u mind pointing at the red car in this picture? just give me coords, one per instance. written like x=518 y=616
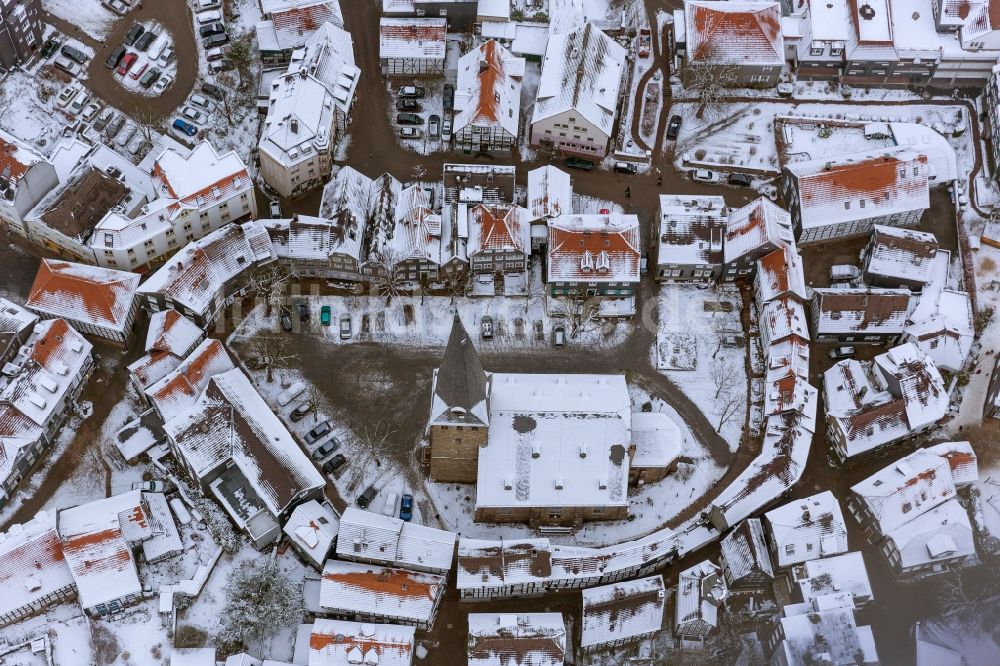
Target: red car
x=127 y=62
x=137 y=72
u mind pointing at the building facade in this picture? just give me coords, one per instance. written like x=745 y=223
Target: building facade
x=21 y=28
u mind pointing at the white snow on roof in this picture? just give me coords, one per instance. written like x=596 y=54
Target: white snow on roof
x=779 y=273
x=15 y=319
x=861 y=311
x=165 y=540
x=413 y=38
x=370 y=536
x=941 y=324
x=556 y=440
x=902 y=253
x=313 y=526
x=498 y=229
x=691 y=229
x=32 y=564
x=783 y=317
x=756 y=224
x=340 y=643
x=92 y=295
x=622 y=610
x=734 y=32
x=16 y=158
x=186 y=177
x=594 y=248
x=807 y=529
x=700 y=590
x=306 y=238
x=170 y=331
x=299 y=119
x=179 y=390
x=744 y=550
x=829 y=621
x=861 y=185
x=350 y=587
x=829 y=575
x=961 y=459
x=943 y=533
x=524 y=639
x=582 y=71
x=488 y=89
x=657 y=439
x=328 y=55
x=525 y=38
x=550 y=192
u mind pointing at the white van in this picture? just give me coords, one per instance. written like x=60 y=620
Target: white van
x=156 y=48
x=207 y=4
x=204 y=18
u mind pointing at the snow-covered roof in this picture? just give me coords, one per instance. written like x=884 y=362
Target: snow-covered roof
x=943 y=533
x=371 y=536
x=525 y=38
x=700 y=590
x=778 y=467
x=556 y=440
x=582 y=71
x=32 y=564
x=691 y=229
x=299 y=119
x=412 y=38
x=807 y=529
x=550 y=192
x=861 y=311
x=498 y=230
x=961 y=459
x=783 y=317
x=566 y=15
x=594 y=248
x=195 y=276
x=983 y=19
x=657 y=439
x=230 y=422
x=165 y=540
x=787 y=390
x=201 y=175
x=341 y=643
x=779 y=273
x=758 y=223
x=942 y=327
x=14 y=320
x=16 y=158
x=460 y=386
x=919 y=383
x=908 y=487
x=313 y=527
x=170 y=331
x=97 y=540
x=622 y=610
x=179 y=390
x=861 y=185
x=328 y=56
x=306 y=238
x=904 y=254
x=295 y=20
x=91 y=295
x=351 y=587
x=744 y=551
x=734 y=32
x=826 y=626
x=829 y=575
x=488 y=89
x=516 y=639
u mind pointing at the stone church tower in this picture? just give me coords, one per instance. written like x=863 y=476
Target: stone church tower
x=459 y=422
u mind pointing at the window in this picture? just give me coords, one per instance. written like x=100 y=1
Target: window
x=907 y=507
x=109 y=239
x=555 y=514
x=816 y=50
x=789 y=549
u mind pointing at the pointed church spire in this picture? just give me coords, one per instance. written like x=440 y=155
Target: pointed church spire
x=461 y=380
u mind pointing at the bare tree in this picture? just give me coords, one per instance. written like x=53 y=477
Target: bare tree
x=458 y=285
x=386 y=261
x=968 y=601
x=269 y=282
x=728 y=395
x=314 y=399
x=145 y=119
x=229 y=95
x=370 y=448
x=709 y=79
x=724 y=377
x=272 y=350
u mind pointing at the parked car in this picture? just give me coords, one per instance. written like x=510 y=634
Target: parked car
x=164 y=58
x=213 y=55
x=126 y=63
x=151 y=486
x=786 y=89
x=149 y=78
x=740 y=180
x=406 y=507
x=138 y=70
x=66 y=65
x=211 y=90
x=162 y=84
x=644 y=264
x=213 y=41
x=345 y=326
x=411 y=132
x=146 y=40
x=90 y=111
x=844 y=272
x=115 y=57
x=125 y=135
x=434 y=127
x=303 y=309
x=119 y=7
x=185 y=127
x=334 y=463
x=365 y=498
x=703 y=175
x=301 y=411
x=202 y=102
x=49 y=47
x=80 y=101
x=134 y=33
x=838 y=353
x=194 y=115
x=103 y=119
x=325 y=315
x=319 y=431
x=407 y=105
x=446 y=129
x=409 y=119
x=449 y=97
x=114 y=125
x=389 y=508
x=626 y=167
x=73 y=54
x=286 y=322
x=67 y=94
x=411 y=91
x=558 y=336
x=210 y=29
x=208 y=17
x=673 y=127
x=326 y=448
x=579 y=163
x=486 y=327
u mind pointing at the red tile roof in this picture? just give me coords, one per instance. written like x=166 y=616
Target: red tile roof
x=89 y=294
x=736 y=32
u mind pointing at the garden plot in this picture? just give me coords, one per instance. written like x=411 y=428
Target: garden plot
x=677 y=351
x=718 y=380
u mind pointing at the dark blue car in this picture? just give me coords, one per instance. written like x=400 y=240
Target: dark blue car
x=406 y=508
x=185 y=127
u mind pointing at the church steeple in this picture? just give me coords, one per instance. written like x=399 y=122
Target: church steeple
x=462 y=384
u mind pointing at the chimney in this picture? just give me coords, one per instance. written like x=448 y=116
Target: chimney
x=293 y=124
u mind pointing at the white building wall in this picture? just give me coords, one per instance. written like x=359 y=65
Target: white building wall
x=571 y=132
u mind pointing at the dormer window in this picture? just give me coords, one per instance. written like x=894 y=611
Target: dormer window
x=587 y=262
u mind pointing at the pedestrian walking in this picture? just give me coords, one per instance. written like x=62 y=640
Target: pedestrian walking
x=659 y=181
x=628 y=192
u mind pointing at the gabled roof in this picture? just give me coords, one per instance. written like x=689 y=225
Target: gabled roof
x=16 y=158
x=780 y=273
x=550 y=192
x=201 y=176
x=391 y=541
x=170 y=331
x=701 y=589
x=982 y=20
x=15 y=321
x=419 y=38
x=349 y=587
x=744 y=551
x=622 y=610
x=594 y=248
x=961 y=459
x=499 y=229
x=582 y=71
x=781 y=318
x=691 y=229
x=942 y=327
x=734 y=32
x=860 y=186
x=340 y=643
x=831 y=575
x=807 y=529
x=87 y=294
x=862 y=311
x=32 y=564
x=516 y=639
x=902 y=254
x=328 y=55
x=306 y=238
x=295 y=20
x=313 y=528
x=488 y=89
x=483 y=563
x=906 y=488
x=943 y=533
x=758 y=223
x=180 y=389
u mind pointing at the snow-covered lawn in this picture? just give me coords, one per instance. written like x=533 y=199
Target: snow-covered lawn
x=719 y=376
x=29 y=111
x=89 y=15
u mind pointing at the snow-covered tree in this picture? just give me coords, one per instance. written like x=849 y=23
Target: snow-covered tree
x=262 y=601
x=222 y=531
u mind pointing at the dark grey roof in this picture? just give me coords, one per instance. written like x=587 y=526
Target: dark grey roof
x=461 y=380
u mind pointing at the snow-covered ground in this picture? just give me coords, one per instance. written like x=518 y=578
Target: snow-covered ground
x=720 y=371
x=89 y=15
